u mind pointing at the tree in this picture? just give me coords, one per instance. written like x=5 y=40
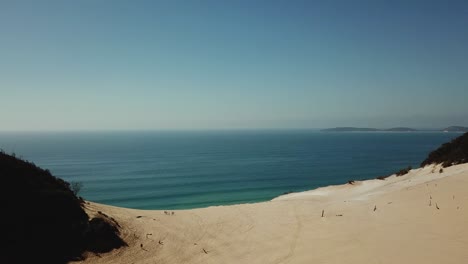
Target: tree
x=76 y=187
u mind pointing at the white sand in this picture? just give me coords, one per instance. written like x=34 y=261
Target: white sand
x=406 y=226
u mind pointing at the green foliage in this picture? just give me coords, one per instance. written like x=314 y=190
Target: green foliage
x=76 y=187
x=382 y=177
x=42 y=216
x=403 y=171
x=101 y=227
x=452 y=153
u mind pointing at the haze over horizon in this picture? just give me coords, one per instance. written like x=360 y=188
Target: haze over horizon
x=126 y=65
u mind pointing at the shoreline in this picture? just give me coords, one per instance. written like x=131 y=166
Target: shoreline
x=183 y=179
x=279 y=197
x=419 y=218
x=366 y=185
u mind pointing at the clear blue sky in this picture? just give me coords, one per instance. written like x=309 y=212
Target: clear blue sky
x=92 y=65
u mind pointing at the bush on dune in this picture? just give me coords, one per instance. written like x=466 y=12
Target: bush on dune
x=403 y=171
x=44 y=220
x=452 y=153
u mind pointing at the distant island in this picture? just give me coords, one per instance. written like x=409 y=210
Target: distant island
x=394 y=129
x=360 y=129
x=400 y=129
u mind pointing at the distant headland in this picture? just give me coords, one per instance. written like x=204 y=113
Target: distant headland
x=455 y=129
x=394 y=129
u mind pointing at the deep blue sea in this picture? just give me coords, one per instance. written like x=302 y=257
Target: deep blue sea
x=178 y=170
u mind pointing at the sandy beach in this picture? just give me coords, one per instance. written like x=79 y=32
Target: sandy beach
x=420 y=217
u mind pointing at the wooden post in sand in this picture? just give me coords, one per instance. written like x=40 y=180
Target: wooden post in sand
x=323 y=211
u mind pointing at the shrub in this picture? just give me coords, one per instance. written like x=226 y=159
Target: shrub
x=452 y=153
x=382 y=177
x=403 y=171
x=103 y=234
x=76 y=187
x=45 y=220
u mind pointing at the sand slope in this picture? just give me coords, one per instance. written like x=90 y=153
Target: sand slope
x=405 y=227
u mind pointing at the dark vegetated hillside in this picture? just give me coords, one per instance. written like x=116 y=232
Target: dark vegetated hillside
x=451 y=153
x=43 y=220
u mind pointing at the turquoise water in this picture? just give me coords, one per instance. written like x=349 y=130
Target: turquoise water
x=176 y=170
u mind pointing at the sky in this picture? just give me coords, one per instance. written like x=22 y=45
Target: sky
x=195 y=64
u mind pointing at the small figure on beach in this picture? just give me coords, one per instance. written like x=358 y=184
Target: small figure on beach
x=375 y=207
x=141 y=246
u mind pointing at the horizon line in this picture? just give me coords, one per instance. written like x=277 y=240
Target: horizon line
x=214 y=129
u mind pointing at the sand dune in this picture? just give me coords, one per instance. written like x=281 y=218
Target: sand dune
x=421 y=217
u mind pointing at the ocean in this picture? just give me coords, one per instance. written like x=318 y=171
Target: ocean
x=181 y=169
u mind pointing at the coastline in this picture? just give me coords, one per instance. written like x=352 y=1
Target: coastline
x=419 y=217
x=218 y=169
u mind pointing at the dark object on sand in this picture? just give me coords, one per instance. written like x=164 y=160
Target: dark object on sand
x=103 y=234
x=403 y=171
